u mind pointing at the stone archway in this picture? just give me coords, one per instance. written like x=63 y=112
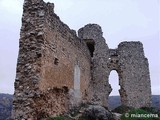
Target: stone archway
x=114 y=99
x=113 y=79
x=115 y=65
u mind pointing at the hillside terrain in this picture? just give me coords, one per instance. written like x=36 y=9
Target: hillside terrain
x=114 y=101
x=5 y=106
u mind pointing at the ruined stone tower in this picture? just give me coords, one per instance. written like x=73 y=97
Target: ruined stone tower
x=57 y=70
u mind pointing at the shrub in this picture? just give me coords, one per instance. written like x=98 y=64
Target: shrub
x=58 y=118
x=122 y=109
x=151 y=110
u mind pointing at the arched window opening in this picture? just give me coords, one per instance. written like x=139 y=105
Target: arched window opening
x=114 y=97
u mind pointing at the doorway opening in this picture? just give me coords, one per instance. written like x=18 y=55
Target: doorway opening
x=114 y=97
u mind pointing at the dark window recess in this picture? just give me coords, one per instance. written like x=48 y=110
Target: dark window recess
x=90 y=45
x=38 y=54
x=56 y=61
x=115 y=55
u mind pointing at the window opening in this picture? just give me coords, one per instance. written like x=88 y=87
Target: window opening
x=90 y=45
x=56 y=61
x=114 y=97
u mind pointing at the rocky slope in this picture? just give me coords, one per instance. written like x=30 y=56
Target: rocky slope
x=114 y=101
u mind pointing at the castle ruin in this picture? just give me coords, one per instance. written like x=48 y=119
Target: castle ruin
x=57 y=70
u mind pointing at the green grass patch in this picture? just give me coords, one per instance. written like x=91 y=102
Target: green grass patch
x=66 y=118
x=59 y=118
x=122 y=109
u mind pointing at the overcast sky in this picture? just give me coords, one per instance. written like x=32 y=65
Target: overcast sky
x=121 y=20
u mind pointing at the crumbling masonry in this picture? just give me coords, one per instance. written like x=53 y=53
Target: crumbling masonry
x=57 y=70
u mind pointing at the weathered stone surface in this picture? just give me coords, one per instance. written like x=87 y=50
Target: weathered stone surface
x=96 y=112
x=48 y=54
x=117 y=116
x=129 y=62
x=99 y=86
x=57 y=70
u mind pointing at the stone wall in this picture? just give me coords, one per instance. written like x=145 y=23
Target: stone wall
x=129 y=62
x=100 y=87
x=134 y=72
x=49 y=53
x=57 y=70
